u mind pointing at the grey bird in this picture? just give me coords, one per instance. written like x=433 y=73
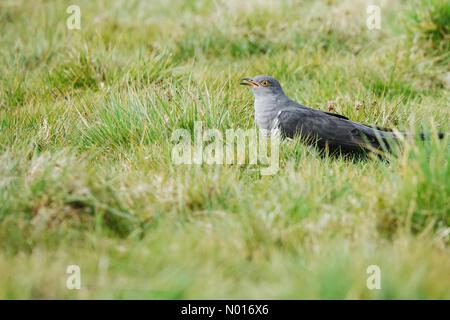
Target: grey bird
x=328 y=131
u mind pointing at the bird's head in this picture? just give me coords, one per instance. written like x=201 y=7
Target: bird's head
x=263 y=85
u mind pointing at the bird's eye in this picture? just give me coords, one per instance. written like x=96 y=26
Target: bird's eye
x=265 y=83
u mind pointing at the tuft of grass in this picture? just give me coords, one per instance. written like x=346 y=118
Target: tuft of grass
x=81 y=71
x=424 y=172
x=430 y=24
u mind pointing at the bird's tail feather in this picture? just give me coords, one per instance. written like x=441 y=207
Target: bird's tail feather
x=388 y=140
x=423 y=136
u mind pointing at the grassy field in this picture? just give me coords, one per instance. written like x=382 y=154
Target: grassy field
x=86 y=175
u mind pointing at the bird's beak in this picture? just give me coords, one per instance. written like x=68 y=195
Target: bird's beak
x=249 y=82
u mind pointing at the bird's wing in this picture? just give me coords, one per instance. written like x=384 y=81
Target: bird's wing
x=324 y=129
x=337 y=115
x=294 y=104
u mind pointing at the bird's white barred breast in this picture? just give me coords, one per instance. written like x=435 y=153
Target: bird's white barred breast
x=275 y=126
x=265 y=113
x=272 y=130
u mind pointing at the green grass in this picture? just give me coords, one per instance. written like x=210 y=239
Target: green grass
x=86 y=176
